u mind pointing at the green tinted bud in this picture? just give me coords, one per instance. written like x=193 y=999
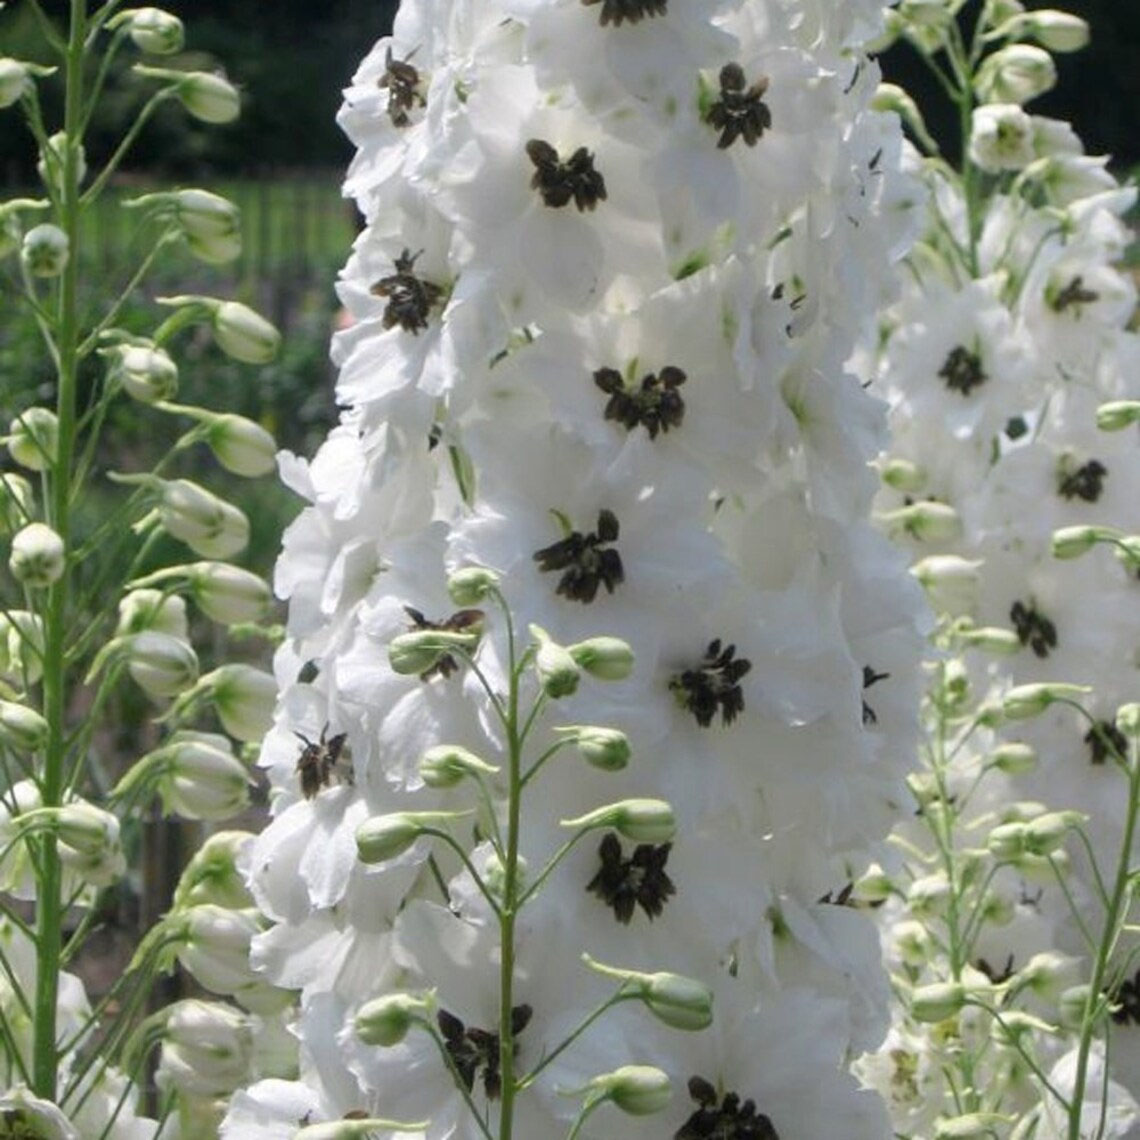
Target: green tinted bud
x=160 y=664
x=420 y=650
x=1117 y=415
x=385 y=837
x=902 y=475
x=45 y=250
x=16 y=78
x=228 y=594
x=926 y=521
x=244 y=334
x=33 y=438
x=1024 y=701
x=604 y=748
x=644 y=821
x=471 y=585
x=22 y=728
x=242 y=446
x=446 y=765
x=637 y=1089
x=213 y=875
x=37 y=558
x=1128 y=719
x=151 y=29
x=606 y=658
x=147 y=374
x=385 y=1021
x=1014 y=757
x=1046 y=833
x=937 y=1001
x=557 y=670
x=1073 y=541
x=16 y=502
x=1007 y=841
x=1015 y=74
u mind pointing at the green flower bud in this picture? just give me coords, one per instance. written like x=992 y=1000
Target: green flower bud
x=1007 y=841
x=1117 y=415
x=21 y=647
x=1057 y=31
x=1015 y=74
x=420 y=650
x=152 y=30
x=147 y=374
x=950 y=582
x=37 y=558
x=141 y=610
x=1024 y=701
x=160 y=664
x=1073 y=541
x=1047 y=832
x=51 y=163
x=385 y=1021
x=242 y=446
x=1048 y=973
x=16 y=78
x=1128 y=719
x=446 y=765
x=902 y=475
x=643 y=821
x=385 y=837
x=197 y=776
x=45 y=250
x=243 y=697
x=212 y=875
x=1072 y=1005
x=926 y=521
x=990 y=639
x=637 y=1089
x=889 y=97
x=937 y=1001
x=16 y=502
x=228 y=594
x=556 y=668
x=33 y=438
x=85 y=828
x=1014 y=757
x=22 y=728
x=873 y=886
x=604 y=748
x=245 y=335
x=208 y=525
x=606 y=658
x=471 y=585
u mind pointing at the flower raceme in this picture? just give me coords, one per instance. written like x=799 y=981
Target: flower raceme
x=600 y=492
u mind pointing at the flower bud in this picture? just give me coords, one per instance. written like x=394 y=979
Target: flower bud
x=207 y=1048
x=643 y=821
x=385 y=1021
x=420 y=650
x=21 y=647
x=604 y=748
x=213 y=945
x=637 y=1089
x=208 y=525
x=33 y=438
x=446 y=765
x=22 y=728
x=902 y=475
x=1057 y=31
x=606 y=658
x=213 y=876
x=1073 y=541
x=949 y=581
x=36 y=559
x=242 y=446
x=1015 y=74
x=142 y=610
x=199 y=777
x=1128 y=719
x=50 y=165
x=152 y=30
x=1014 y=757
x=86 y=828
x=212 y=225
x=1024 y=701
x=16 y=79
x=16 y=501
x=937 y=1001
x=929 y=894
x=1007 y=841
x=926 y=521
x=470 y=585
x=386 y=836
x=874 y=886
x=208 y=97
x=45 y=250
x=243 y=697
x=889 y=97
x=990 y=639
x=557 y=670
x=1048 y=973
x=679 y=1002
x=26 y=1116
x=160 y=664
x=147 y=374
x=228 y=594
x=1047 y=832
x=1072 y=1005
x=245 y=335
x=1118 y=415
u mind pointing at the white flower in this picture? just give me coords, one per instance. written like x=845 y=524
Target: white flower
x=37 y=556
x=1002 y=137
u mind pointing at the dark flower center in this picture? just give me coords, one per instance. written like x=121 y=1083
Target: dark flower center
x=963 y=370
x=586 y=560
x=460 y=622
x=655 y=403
x=724 y=1118
x=1033 y=628
x=870 y=677
x=1074 y=293
x=562 y=182
x=1127 y=999
x=640 y=880
x=1105 y=739
x=998 y=977
x=410 y=298
x=616 y=12
x=319 y=760
x=476 y=1052
x=1086 y=482
x=715 y=683
x=402 y=81
x=842 y=897
x=740 y=112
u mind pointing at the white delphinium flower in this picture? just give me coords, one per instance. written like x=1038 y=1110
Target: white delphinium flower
x=615 y=258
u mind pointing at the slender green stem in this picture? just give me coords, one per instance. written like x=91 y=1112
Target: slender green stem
x=95 y=189
x=620 y=996
x=49 y=912
x=587 y=1109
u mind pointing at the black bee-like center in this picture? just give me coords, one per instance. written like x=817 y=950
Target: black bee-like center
x=639 y=881
x=1105 y=739
x=962 y=370
x=587 y=560
x=410 y=298
x=740 y=112
x=724 y=1117
x=616 y=12
x=1073 y=294
x=561 y=182
x=319 y=760
x=1085 y=482
x=402 y=82
x=1033 y=628
x=654 y=404
x=712 y=685
x=870 y=677
x=477 y=1052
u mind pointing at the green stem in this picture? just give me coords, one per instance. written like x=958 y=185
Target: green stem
x=49 y=914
